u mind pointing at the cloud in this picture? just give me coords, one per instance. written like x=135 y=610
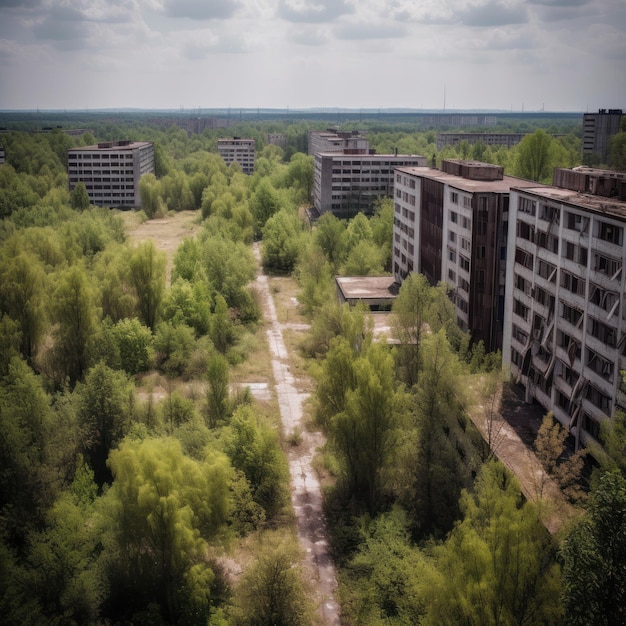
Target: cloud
x=312 y=10
x=370 y=31
x=559 y=3
x=492 y=13
x=310 y=36
x=200 y=9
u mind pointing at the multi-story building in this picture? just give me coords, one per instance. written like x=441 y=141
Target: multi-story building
x=565 y=307
x=489 y=139
x=451 y=225
x=111 y=171
x=347 y=184
x=277 y=139
x=238 y=150
x=598 y=128
x=333 y=140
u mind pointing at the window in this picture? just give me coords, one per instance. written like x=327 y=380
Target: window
x=464 y=263
x=454 y=197
x=606 y=265
x=454 y=218
x=604 y=333
x=520 y=309
x=451 y=236
x=452 y=255
x=570 y=314
x=527 y=206
x=610 y=232
x=524 y=258
x=525 y=231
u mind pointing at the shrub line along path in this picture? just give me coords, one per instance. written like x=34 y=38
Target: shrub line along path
x=306 y=493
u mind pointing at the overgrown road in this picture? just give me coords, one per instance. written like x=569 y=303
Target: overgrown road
x=306 y=493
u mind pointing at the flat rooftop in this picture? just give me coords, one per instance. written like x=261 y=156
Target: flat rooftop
x=367 y=287
x=115 y=146
x=597 y=204
x=466 y=184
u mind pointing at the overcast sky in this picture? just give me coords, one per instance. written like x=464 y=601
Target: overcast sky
x=563 y=55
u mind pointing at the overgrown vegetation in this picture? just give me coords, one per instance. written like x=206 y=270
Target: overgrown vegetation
x=120 y=503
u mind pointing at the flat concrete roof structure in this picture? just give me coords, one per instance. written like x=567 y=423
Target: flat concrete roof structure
x=377 y=292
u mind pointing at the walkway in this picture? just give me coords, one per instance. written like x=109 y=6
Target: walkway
x=306 y=493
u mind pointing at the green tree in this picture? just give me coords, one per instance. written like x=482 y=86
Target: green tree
x=147 y=275
x=617 y=151
x=217 y=396
x=105 y=403
x=364 y=259
x=156 y=521
x=497 y=566
x=22 y=298
x=534 y=156
x=264 y=202
x=365 y=432
x=300 y=175
x=75 y=312
x=594 y=553
x=150 y=193
x=282 y=237
x=134 y=343
x=442 y=456
x=254 y=449
x=330 y=236
x=221 y=326
x=271 y=591
x=79 y=198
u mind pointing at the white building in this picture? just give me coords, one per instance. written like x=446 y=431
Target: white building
x=238 y=150
x=111 y=171
x=333 y=140
x=565 y=313
x=347 y=184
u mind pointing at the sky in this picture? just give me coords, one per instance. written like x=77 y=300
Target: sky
x=555 y=55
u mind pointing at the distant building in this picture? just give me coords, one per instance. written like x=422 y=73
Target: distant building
x=436 y=120
x=277 y=139
x=451 y=225
x=238 y=150
x=111 y=171
x=489 y=139
x=333 y=140
x=565 y=310
x=347 y=184
x=598 y=128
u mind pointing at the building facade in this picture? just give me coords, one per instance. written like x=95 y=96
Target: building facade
x=277 y=139
x=565 y=313
x=451 y=225
x=489 y=139
x=238 y=150
x=598 y=128
x=333 y=140
x=111 y=171
x=347 y=184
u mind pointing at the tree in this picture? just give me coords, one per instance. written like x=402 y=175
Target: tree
x=330 y=236
x=150 y=193
x=300 y=175
x=134 y=342
x=417 y=305
x=147 y=275
x=534 y=156
x=79 y=198
x=22 y=298
x=364 y=259
x=282 y=236
x=594 y=553
x=271 y=591
x=364 y=433
x=617 y=151
x=157 y=520
x=254 y=449
x=221 y=326
x=550 y=449
x=105 y=407
x=441 y=465
x=217 y=391
x=76 y=315
x=497 y=566
x=264 y=202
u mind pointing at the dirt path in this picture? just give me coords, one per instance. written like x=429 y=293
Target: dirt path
x=306 y=493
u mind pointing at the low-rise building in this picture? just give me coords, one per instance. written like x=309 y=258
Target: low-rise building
x=238 y=150
x=111 y=171
x=565 y=309
x=347 y=184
